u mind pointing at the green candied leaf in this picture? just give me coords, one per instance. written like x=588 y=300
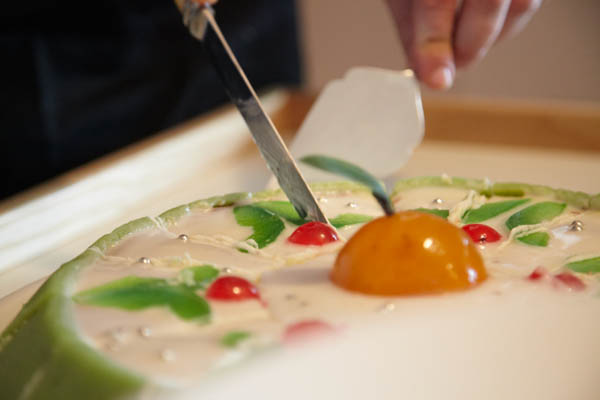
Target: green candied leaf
x=354 y=172
x=490 y=210
x=434 y=211
x=535 y=239
x=198 y=277
x=188 y=305
x=266 y=225
x=136 y=293
x=130 y=293
x=283 y=209
x=535 y=214
x=589 y=265
x=349 y=219
x=233 y=338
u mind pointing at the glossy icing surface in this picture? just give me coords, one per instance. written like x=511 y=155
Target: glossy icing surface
x=293 y=282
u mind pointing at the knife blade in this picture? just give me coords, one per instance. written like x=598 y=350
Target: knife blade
x=200 y=20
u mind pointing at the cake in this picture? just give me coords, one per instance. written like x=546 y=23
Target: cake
x=163 y=304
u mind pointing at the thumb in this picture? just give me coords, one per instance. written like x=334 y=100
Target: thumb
x=431 y=54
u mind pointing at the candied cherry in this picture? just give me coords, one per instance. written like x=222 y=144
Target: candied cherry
x=408 y=253
x=232 y=288
x=538 y=274
x=569 y=280
x=313 y=233
x=563 y=279
x=481 y=233
x=306 y=329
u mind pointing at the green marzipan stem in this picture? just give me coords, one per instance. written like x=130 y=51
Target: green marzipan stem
x=354 y=172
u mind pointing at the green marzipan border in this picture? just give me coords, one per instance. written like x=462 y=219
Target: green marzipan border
x=42 y=346
x=506 y=189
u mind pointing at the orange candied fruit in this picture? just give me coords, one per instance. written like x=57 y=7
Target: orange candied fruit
x=408 y=253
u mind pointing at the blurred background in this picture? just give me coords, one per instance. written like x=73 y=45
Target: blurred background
x=557 y=56
x=75 y=90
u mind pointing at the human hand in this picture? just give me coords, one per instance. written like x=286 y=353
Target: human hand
x=179 y=3
x=440 y=35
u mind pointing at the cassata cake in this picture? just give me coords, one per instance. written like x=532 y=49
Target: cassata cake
x=164 y=304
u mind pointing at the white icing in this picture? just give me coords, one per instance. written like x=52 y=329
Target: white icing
x=293 y=280
x=294 y=285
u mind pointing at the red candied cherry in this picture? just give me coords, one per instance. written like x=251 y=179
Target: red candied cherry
x=538 y=274
x=313 y=233
x=232 y=288
x=306 y=329
x=569 y=280
x=481 y=233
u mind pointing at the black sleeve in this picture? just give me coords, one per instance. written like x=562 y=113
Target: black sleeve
x=79 y=82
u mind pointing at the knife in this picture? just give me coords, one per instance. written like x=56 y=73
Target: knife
x=200 y=20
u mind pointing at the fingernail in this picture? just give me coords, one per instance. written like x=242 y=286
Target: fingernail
x=442 y=78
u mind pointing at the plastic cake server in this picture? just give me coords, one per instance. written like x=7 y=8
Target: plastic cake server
x=200 y=20
x=372 y=117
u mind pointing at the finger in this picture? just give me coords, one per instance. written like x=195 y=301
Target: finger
x=519 y=14
x=431 y=53
x=478 y=25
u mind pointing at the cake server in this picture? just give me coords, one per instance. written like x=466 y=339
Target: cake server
x=372 y=116
x=200 y=20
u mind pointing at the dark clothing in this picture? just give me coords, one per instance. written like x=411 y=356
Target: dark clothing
x=82 y=79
